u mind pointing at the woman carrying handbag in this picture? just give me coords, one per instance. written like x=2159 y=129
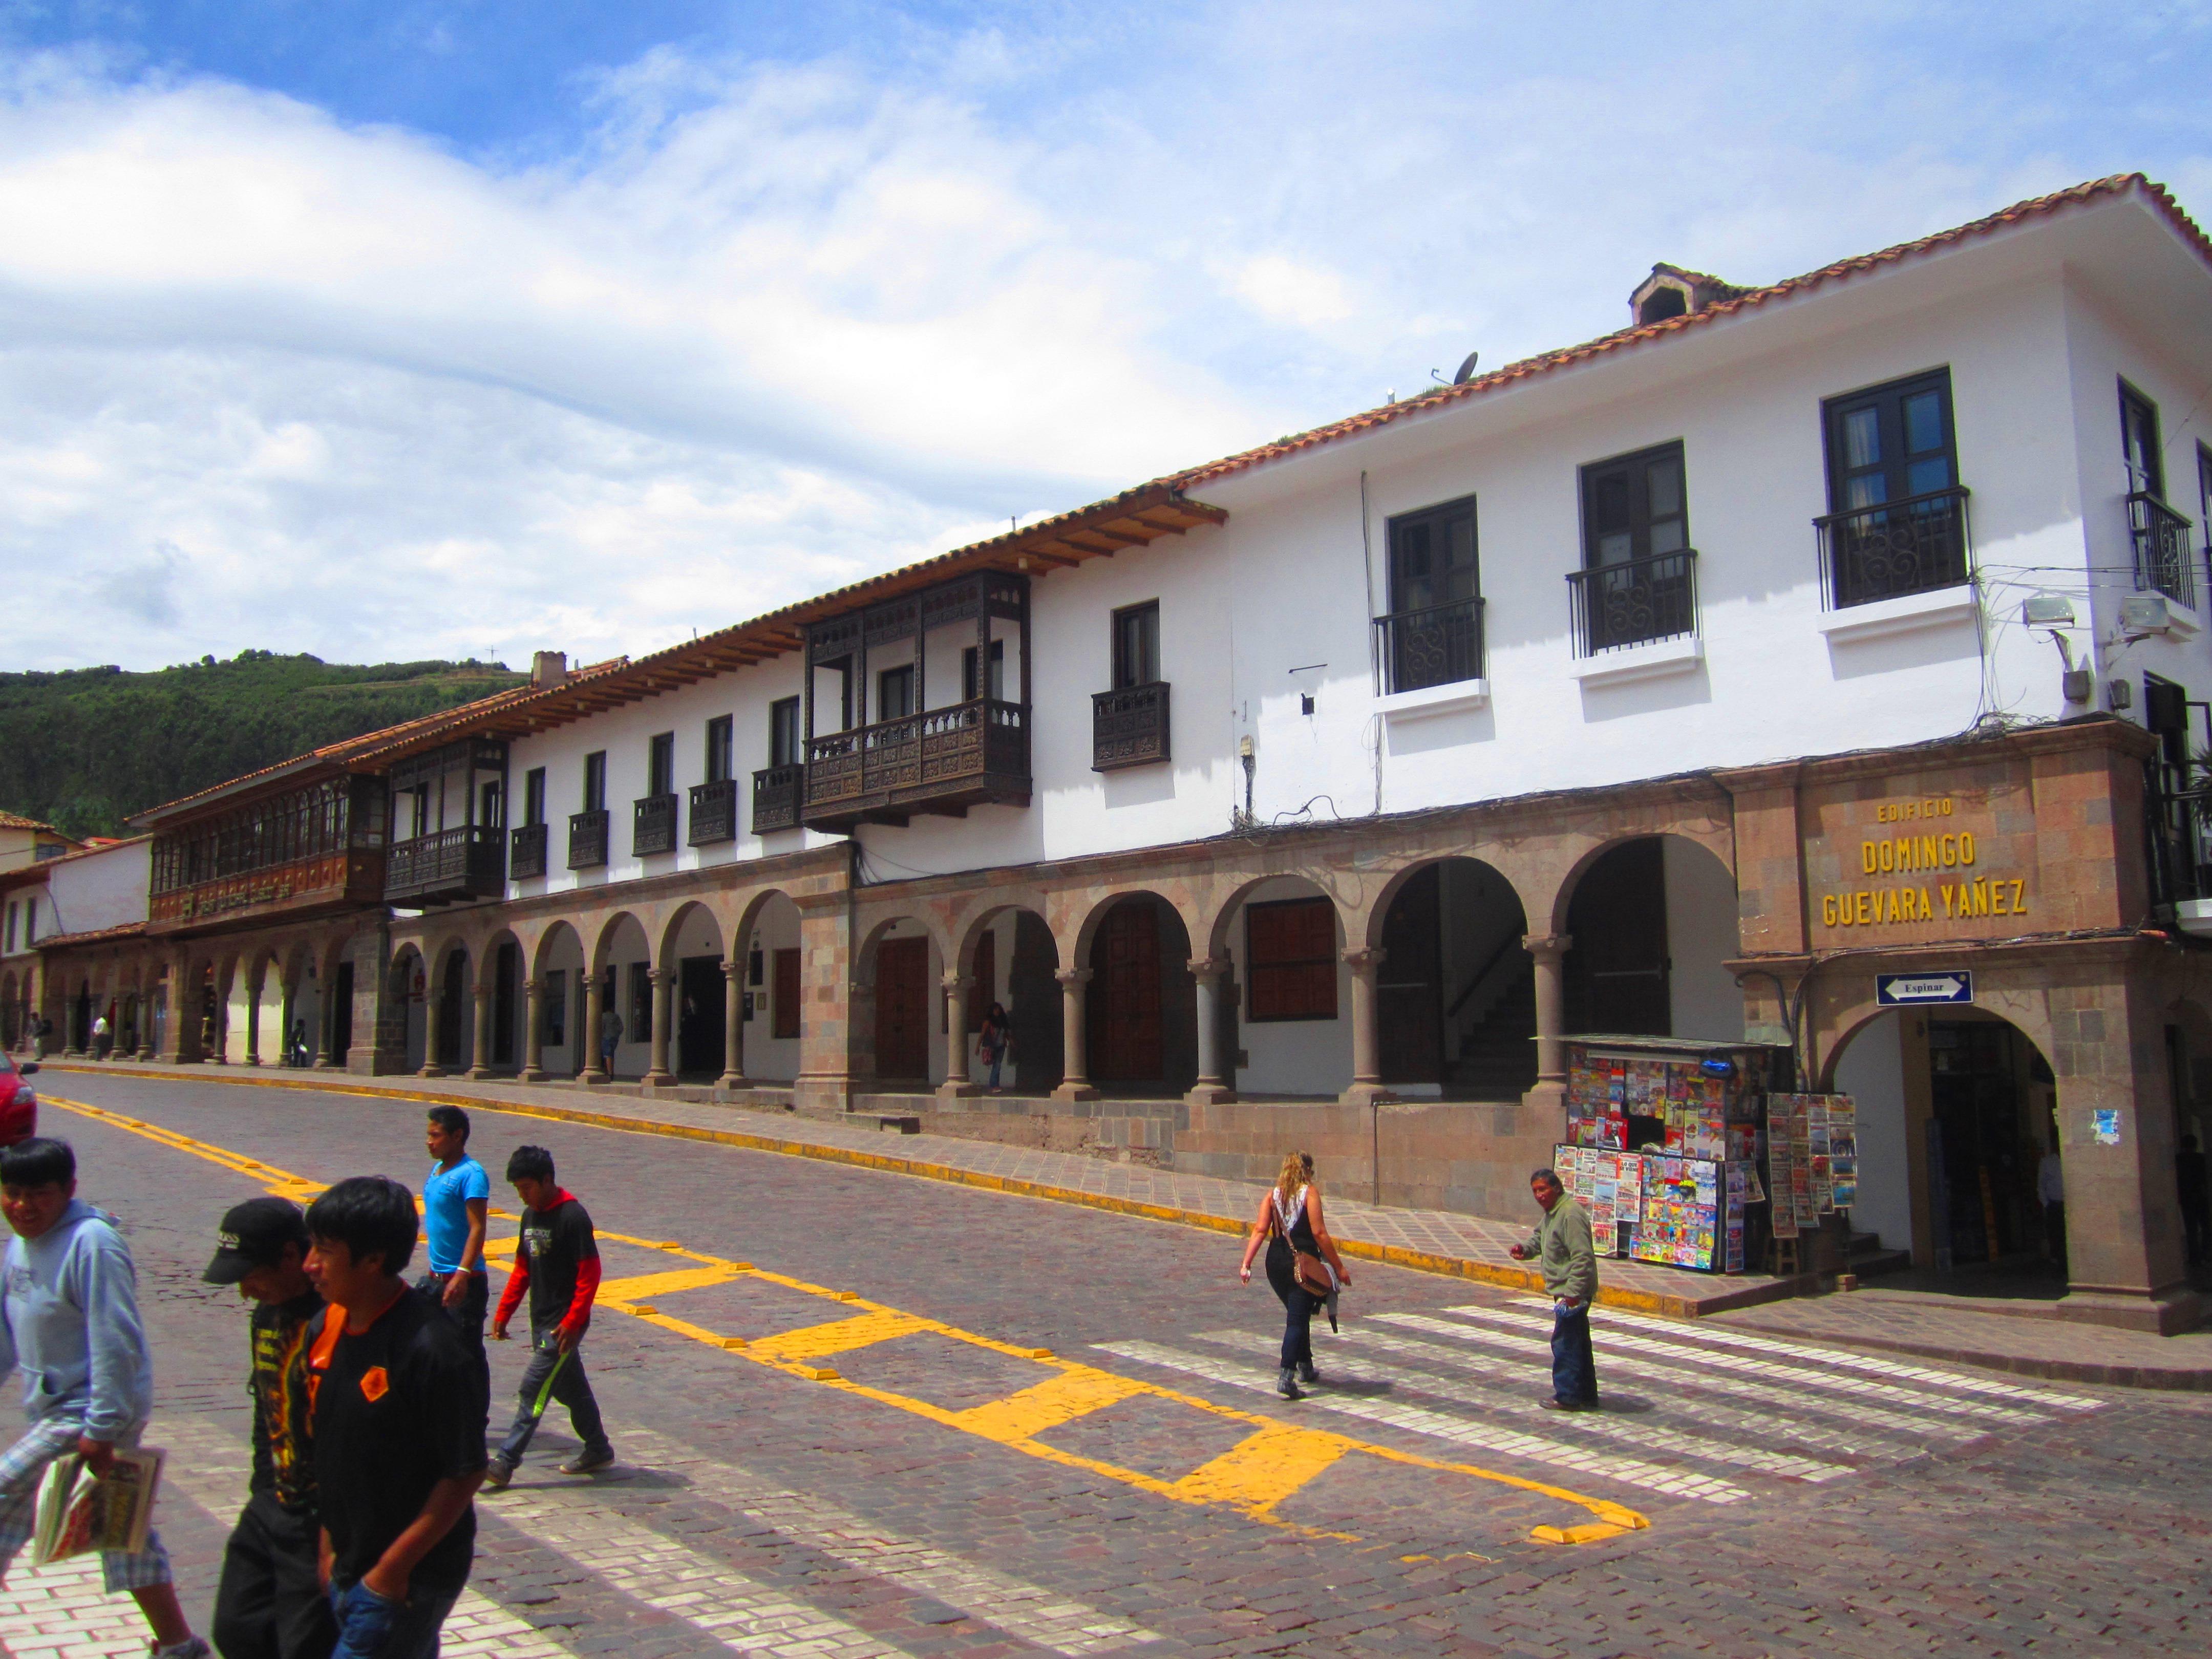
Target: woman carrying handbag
x=1302 y=1265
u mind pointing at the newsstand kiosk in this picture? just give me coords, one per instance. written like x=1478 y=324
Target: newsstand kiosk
x=1666 y=1138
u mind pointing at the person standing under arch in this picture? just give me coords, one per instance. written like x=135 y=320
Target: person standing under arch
x=1300 y=1253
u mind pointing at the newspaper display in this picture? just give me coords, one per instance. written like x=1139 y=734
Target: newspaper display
x=1806 y=1137
x=77 y=1513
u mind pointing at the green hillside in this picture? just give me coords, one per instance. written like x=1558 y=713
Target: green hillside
x=85 y=748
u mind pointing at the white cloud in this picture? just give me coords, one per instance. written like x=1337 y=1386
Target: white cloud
x=277 y=381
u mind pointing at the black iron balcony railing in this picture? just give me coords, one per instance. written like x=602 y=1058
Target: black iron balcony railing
x=2165 y=562
x=776 y=790
x=1129 y=727
x=941 y=760
x=1912 y=546
x=469 y=862
x=652 y=826
x=1435 y=645
x=525 y=857
x=588 y=839
x=713 y=812
x=1634 y=602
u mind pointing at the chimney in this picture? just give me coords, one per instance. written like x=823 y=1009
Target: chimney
x=1671 y=291
x=548 y=668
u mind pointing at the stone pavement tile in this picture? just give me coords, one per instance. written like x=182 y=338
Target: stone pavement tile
x=2039 y=1347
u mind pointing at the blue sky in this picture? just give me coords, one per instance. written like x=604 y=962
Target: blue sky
x=602 y=323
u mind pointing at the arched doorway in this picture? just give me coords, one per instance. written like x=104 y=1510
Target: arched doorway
x=699 y=1025
x=1955 y=1114
x=450 y=1024
x=625 y=970
x=1455 y=996
x=1286 y=1006
x=562 y=1039
x=773 y=1007
x=1140 y=1016
x=1010 y=961
x=905 y=966
x=1653 y=922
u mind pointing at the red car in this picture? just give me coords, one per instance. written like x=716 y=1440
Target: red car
x=19 y=1107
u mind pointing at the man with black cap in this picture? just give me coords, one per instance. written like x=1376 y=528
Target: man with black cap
x=270 y=1604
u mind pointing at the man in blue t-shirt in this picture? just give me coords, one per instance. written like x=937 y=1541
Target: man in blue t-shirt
x=456 y=1198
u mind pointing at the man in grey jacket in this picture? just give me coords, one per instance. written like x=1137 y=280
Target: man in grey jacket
x=69 y=1316
x=1563 y=1246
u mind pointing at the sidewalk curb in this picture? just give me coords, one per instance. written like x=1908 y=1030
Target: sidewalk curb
x=1395 y=1255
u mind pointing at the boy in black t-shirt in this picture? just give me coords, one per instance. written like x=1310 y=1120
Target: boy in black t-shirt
x=269 y=1604
x=397 y=1407
x=558 y=1260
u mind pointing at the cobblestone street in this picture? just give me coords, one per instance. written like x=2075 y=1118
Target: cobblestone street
x=859 y=1413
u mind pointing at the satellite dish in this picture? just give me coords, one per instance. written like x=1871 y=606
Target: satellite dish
x=1466 y=372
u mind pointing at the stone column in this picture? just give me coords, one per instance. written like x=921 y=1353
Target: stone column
x=180 y=1034
x=733 y=1025
x=254 y=986
x=664 y=1010
x=147 y=984
x=217 y=1051
x=480 y=1042
x=327 y=1057
x=1075 y=1072
x=1367 y=1086
x=833 y=1004
x=958 y=1084
x=1214 y=1086
x=1550 y=952
x=533 y=1031
x=595 y=1006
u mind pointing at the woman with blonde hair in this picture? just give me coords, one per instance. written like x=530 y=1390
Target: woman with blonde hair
x=1302 y=1265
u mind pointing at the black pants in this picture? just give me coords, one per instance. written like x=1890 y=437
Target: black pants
x=268 y=1605
x=469 y=1317
x=570 y=1386
x=2196 y=1227
x=1299 y=1305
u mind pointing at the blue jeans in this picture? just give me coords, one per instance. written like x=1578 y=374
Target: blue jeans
x=1574 y=1367
x=370 y=1628
x=998 y=1059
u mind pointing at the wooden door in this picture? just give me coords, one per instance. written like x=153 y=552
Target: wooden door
x=902 y=1008
x=1617 y=972
x=785 y=1013
x=1126 y=1041
x=1409 y=989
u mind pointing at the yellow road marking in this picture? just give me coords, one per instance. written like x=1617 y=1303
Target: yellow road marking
x=1252 y=1477
x=1056 y=1401
x=838 y=1336
x=1261 y=1470
x=651 y=1285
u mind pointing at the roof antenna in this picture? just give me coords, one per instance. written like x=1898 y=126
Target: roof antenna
x=1466 y=370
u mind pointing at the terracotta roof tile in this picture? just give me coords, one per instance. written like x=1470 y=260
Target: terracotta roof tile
x=97 y=936
x=17 y=820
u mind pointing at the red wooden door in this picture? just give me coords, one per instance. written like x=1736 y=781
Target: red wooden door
x=786 y=1015
x=1129 y=1047
x=902 y=1008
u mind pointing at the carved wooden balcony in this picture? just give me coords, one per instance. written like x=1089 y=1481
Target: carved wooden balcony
x=446 y=867
x=588 y=839
x=652 y=825
x=776 y=790
x=1129 y=727
x=942 y=760
x=713 y=812
x=526 y=856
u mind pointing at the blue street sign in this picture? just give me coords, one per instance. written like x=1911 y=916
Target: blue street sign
x=1912 y=990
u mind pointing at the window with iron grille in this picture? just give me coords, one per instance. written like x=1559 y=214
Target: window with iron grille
x=1289 y=947
x=1433 y=635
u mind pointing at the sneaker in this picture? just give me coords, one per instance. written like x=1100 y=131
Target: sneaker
x=193 y=1647
x=497 y=1474
x=1307 y=1373
x=589 y=1459
x=1286 y=1384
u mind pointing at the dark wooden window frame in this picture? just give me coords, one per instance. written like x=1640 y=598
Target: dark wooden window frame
x=786 y=740
x=595 y=781
x=1269 y=981
x=661 y=764
x=1127 y=674
x=2133 y=399
x=533 y=795
x=722 y=749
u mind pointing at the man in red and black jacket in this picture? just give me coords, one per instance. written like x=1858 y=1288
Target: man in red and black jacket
x=558 y=1260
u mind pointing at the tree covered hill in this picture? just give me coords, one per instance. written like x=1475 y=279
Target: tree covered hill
x=84 y=748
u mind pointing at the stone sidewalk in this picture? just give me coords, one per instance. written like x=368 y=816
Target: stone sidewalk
x=1431 y=1241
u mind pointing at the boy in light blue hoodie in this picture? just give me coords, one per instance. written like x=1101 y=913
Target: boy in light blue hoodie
x=69 y=1316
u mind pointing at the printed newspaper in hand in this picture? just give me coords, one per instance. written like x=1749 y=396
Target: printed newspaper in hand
x=77 y=1513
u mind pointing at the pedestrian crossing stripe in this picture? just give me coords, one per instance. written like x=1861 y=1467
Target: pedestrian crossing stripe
x=1049 y=1404
x=1251 y=1496
x=838 y=1336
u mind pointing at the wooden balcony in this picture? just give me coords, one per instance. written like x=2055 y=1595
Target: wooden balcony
x=776 y=798
x=1129 y=727
x=588 y=839
x=446 y=867
x=303 y=887
x=652 y=825
x=713 y=812
x=525 y=854
x=942 y=760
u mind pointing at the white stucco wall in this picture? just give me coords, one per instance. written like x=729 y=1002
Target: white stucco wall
x=103 y=888
x=1872 y=1072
